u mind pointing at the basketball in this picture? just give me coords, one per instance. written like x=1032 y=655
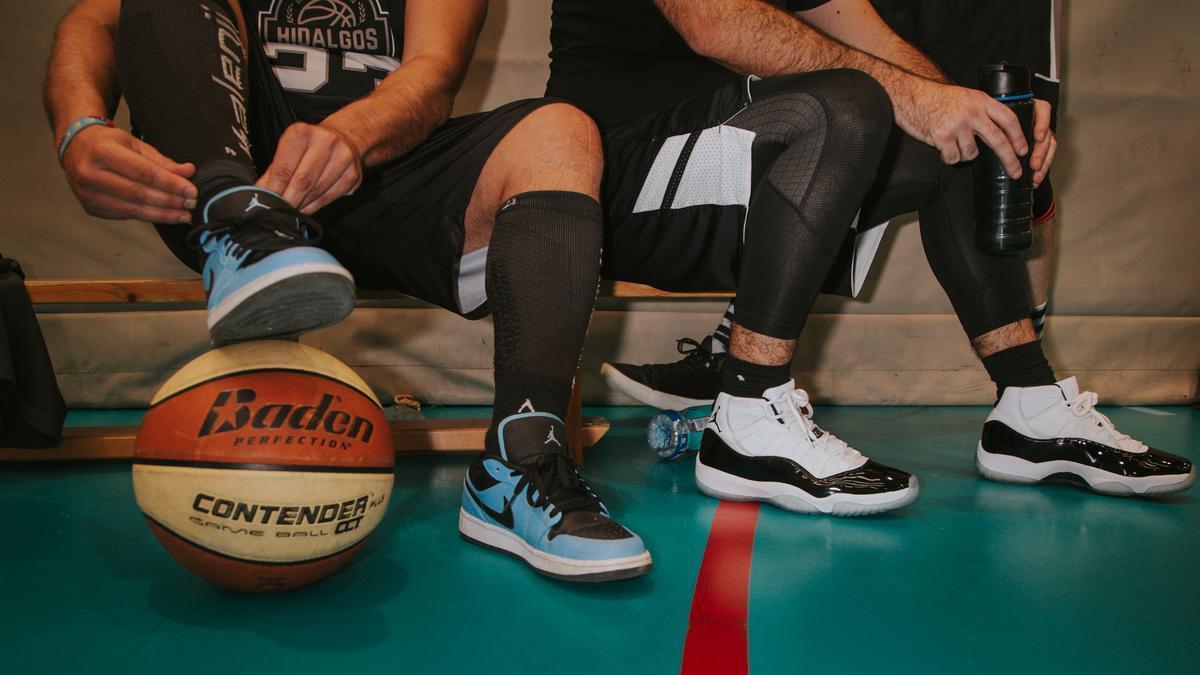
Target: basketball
x=263 y=466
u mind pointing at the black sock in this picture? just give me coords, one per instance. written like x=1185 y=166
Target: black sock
x=522 y=392
x=750 y=380
x=723 y=332
x=1021 y=366
x=543 y=270
x=1037 y=314
x=215 y=177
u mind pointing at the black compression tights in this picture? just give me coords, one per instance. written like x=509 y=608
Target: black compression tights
x=818 y=141
x=194 y=96
x=987 y=291
x=182 y=70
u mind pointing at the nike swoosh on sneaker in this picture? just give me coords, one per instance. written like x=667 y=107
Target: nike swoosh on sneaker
x=504 y=517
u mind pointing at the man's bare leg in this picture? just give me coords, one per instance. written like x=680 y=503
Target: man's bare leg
x=1039 y=260
x=761 y=349
x=525 y=161
x=1005 y=337
x=1039 y=265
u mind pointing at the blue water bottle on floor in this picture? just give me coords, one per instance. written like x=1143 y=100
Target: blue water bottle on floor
x=672 y=434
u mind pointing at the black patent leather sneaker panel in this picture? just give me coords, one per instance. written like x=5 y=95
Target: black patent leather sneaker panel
x=1000 y=439
x=870 y=478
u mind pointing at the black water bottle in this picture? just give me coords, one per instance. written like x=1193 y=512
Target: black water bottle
x=1004 y=206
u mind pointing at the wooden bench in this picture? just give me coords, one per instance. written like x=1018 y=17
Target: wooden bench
x=112 y=443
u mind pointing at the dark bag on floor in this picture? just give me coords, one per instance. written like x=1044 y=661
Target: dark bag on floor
x=32 y=409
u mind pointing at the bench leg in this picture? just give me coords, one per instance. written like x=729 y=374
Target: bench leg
x=575 y=418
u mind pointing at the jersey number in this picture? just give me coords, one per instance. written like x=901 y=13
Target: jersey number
x=313 y=71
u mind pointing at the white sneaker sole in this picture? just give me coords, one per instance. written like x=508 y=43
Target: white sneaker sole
x=1009 y=469
x=722 y=485
x=500 y=539
x=647 y=396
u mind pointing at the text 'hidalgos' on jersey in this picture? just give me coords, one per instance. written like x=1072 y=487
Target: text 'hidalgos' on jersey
x=339 y=49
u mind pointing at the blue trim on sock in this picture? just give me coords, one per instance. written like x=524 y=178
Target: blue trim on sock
x=518 y=416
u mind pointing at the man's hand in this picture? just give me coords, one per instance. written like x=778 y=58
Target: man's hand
x=115 y=175
x=949 y=118
x=1045 y=145
x=313 y=165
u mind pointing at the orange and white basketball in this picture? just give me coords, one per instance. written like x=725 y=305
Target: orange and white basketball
x=263 y=466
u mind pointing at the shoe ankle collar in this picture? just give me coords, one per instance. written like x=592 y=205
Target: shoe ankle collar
x=781 y=391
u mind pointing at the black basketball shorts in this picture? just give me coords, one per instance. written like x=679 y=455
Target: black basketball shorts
x=676 y=190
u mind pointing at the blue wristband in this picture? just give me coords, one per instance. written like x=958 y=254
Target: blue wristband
x=77 y=126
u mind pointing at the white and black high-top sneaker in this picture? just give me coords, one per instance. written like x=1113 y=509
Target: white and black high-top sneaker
x=769 y=449
x=1055 y=434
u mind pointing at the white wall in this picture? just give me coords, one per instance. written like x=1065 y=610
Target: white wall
x=1126 y=183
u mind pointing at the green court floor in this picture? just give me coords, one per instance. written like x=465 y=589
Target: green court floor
x=976 y=577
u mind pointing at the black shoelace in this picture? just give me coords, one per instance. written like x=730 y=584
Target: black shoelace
x=695 y=354
x=260 y=234
x=556 y=482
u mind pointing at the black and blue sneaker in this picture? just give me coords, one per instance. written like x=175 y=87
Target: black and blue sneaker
x=531 y=502
x=262 y=271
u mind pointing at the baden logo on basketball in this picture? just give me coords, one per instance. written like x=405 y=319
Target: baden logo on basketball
x=234 y=410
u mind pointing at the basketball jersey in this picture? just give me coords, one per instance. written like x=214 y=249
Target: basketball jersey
x=620 y=59
x=327 y=53
x=962 y=35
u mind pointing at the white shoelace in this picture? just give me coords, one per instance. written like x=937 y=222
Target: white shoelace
x=1084 y=406
x=798 y=410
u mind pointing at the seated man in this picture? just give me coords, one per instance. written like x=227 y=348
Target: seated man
x=260 y=118
x=962 y=36
x=712 y=181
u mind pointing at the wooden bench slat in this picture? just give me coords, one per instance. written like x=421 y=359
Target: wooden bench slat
x=440 y=435
x=134 y=291
x=116 y=291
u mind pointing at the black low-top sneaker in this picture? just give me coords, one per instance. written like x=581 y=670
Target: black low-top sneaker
x=1054 y=434
x=769 y=449
x=693 y=380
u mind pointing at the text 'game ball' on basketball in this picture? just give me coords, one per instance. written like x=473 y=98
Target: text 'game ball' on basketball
x=263 y=466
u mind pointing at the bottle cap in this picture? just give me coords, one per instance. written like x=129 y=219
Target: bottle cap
x=1004 y=79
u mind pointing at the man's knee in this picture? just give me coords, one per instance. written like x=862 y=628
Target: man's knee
x=856 y=105
x=563 y=134
x=556 y=147
x=857 y=110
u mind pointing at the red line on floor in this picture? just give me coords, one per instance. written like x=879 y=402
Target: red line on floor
x=716 y=639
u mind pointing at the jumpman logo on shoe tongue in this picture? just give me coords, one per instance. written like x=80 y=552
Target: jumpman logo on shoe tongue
x=254 y=203
x=550 y=437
